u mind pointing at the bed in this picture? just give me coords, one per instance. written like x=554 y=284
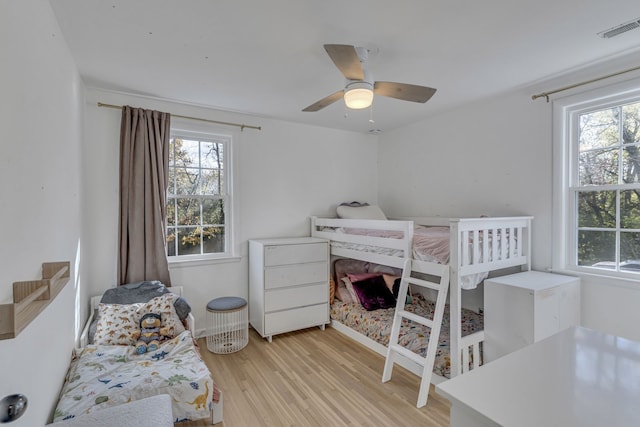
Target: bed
x=108 y=370
x=472 y=247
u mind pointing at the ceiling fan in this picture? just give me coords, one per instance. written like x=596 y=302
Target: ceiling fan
x=360 y=87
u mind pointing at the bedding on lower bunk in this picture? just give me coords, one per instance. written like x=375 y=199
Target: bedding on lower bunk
x=376 y=325
x=102 y=376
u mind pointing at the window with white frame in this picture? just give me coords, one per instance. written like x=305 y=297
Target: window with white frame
x=601 y=167
x=198 y=196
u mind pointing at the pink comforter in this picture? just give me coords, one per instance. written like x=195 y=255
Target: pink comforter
x=432 y=242
x=429 y=243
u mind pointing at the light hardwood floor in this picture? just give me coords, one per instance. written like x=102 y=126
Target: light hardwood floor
x=316 y=378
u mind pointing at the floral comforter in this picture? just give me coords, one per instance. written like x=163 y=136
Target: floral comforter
x=376 y=324
x=103 y=376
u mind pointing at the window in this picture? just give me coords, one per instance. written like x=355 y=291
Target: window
x=600 y=139
x=198 y=196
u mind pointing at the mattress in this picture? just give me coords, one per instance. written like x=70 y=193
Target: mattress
x=104 y=376
x=376 y=325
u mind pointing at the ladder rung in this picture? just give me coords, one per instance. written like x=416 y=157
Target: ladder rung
x=415 y=318
x=408 y=354
x=424 y=283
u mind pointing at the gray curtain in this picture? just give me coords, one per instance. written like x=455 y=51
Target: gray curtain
x=144 y=158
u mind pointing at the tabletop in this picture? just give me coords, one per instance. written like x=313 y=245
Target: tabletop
x=577 y=377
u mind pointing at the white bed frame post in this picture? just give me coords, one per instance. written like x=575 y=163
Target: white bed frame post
x=455 y=302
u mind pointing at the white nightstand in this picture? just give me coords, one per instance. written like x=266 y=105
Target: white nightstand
x=524 y=308
x=288 y=284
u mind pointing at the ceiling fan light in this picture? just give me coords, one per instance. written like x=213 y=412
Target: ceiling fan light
x=358 y=96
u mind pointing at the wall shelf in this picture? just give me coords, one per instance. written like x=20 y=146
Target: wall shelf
x=31 y=297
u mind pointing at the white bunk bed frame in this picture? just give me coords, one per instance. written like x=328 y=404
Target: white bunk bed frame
x=468 y=255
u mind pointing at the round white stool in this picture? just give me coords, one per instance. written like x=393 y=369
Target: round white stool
x=228 y=328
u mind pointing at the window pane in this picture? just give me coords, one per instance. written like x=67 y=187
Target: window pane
x=171 y=241
x=629 y=209
x=171 y=188
x=190 y=153
x=188 y=241
x=187 y=181
x=597 y=247
x=630 y=251
x=186 y=153
x=213 y=239
x=172 y=149
x=631 y=126
x=599 y=129
x=599 y=167
x=188 y=211
x=212 y=182
x=212 y=155
x=597 y=209
x=213 y=211
x=171 y=212
x=631 y=164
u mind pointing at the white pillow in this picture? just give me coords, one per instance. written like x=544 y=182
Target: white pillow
x=360 y=212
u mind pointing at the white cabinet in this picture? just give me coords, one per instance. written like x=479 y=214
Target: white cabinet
x=288 y=284
x=524 y=308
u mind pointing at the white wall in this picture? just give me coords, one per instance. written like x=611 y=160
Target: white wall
x=41 y=121
x=283 y=174
x=495 y=158
x=490 y=158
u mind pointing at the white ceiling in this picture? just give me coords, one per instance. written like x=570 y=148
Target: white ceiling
x=266 y=58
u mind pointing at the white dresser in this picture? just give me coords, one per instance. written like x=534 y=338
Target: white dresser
x=288 y=284
x=524 y=308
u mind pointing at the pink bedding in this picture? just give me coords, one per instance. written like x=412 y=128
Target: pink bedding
x=429 y=243
x=432 y=243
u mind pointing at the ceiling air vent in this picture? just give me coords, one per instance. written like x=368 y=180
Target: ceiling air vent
x=622 y=28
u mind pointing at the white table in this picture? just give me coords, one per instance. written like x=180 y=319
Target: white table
x=577 y=377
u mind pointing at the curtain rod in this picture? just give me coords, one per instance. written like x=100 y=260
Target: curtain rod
x=546 y=94
x=241 y=126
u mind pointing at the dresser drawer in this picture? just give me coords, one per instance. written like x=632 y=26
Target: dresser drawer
x=289 y=275
x=285 y=298
x=295 y=254
x=298 y=318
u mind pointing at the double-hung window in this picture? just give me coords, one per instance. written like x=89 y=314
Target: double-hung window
x=597 y=203
x=198 y=196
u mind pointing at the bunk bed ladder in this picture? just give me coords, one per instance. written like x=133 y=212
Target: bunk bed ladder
x=427 y=271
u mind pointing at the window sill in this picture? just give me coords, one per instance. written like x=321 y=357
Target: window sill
x=602 y=279
x=200 y=262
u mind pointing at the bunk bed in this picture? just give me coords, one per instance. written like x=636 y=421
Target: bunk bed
x=472 y=247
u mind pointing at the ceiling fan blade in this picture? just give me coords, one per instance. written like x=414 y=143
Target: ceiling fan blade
x=324 y=102
x=346 y=59
x=404 y=91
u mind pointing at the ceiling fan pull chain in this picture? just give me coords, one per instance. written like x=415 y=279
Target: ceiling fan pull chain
x=371 y=114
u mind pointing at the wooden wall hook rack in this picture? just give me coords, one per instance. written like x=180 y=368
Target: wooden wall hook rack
x=31 y=297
